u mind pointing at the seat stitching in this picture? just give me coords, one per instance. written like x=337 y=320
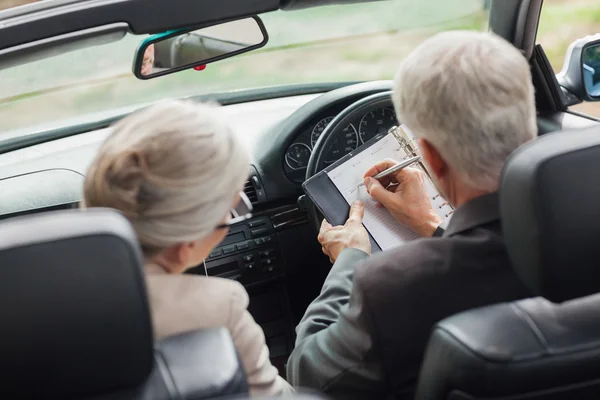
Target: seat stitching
x=167 y=376
x=536 y=330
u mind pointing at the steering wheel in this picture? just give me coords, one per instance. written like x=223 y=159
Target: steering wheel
x=316 y=162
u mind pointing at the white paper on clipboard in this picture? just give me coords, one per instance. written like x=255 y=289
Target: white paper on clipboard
x=379 y=222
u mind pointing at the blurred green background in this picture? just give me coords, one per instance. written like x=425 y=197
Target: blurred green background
x=327 y=44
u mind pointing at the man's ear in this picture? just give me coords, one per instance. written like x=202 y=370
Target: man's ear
x=433 y=159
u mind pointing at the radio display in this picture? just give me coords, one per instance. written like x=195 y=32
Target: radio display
x=233 y=238
x=223 y=268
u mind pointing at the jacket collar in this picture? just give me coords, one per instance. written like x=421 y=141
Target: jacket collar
x=154 y=269
x=479 y=211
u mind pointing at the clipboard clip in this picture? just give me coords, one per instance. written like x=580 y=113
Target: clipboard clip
x=411 y=150
x=401 y=138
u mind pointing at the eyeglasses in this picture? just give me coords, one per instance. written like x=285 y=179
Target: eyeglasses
x=241 y=212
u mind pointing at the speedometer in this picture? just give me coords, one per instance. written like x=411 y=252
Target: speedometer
x=342 y=145
x=376 y=122
x=297 y=156
x=318 y=129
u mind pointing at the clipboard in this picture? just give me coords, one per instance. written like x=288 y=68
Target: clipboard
x=328 y=199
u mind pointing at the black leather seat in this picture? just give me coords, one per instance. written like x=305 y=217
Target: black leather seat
x=546 y=347
x=76 y=321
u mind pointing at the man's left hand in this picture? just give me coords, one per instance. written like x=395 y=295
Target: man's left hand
x=352 y=234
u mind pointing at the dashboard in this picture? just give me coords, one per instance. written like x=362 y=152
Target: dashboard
x=359 y=131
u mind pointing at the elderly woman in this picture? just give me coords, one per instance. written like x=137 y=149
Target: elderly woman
x=176 y=170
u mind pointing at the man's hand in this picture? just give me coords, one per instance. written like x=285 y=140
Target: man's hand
x=403 y=194
x=352 y=234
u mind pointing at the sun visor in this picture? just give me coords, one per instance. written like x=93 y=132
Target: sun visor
x=56 y=45
x=48 y=19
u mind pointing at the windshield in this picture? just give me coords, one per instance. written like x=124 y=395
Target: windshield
x=342 y=43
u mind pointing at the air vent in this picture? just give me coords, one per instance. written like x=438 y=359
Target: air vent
x=254 y=188
x=250 y=191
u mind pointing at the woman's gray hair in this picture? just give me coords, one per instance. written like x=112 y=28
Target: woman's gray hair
x=471 y=96
x=173 y=169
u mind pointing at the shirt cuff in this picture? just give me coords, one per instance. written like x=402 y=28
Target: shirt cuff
x=439 y=231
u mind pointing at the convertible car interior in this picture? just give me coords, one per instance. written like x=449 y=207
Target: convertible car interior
x=74 y=332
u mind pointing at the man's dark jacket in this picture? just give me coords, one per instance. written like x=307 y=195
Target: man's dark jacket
x=365 y=335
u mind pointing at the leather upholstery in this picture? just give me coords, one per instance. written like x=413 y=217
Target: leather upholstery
x=550 y=210
x=76 y=320
x=194 y=365
x=534 y=349
x=531 y=348
x=73 y=304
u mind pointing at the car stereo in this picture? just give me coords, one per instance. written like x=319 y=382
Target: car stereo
x=249 y=254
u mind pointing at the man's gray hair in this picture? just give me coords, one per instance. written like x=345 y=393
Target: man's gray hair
x=470 y=95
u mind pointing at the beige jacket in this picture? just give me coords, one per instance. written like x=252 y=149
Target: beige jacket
x=183 y=303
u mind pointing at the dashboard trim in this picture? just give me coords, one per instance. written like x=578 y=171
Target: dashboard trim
x=41 y=189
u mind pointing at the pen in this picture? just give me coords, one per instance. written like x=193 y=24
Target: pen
x=397 y=167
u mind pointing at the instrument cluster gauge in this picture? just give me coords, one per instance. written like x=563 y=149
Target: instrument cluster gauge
x=318 y=129
x=376 y=122
x=297 y=156
x=343 y=144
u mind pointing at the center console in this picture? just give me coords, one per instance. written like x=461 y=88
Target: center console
x=250 y=254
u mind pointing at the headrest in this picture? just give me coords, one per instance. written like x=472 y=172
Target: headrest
x=550 y=208
x=73 y=303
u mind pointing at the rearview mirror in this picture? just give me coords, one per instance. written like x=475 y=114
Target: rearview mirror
x=174 y=51
x=581 y=71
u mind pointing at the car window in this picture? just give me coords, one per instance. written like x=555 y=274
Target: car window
x=561 y=23
x=338 y=43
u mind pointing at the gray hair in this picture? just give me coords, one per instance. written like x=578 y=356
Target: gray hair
x=173 y=169
x=471 y=96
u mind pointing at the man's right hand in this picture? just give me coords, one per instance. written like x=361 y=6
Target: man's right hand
x=406 y=198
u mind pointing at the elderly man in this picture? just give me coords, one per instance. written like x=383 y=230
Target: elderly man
x=469 y=99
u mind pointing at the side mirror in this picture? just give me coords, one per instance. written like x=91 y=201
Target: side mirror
x=174 y=51
x=581 y=71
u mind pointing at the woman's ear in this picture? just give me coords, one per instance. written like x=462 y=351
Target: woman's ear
x=176 y=258
x=433 y=159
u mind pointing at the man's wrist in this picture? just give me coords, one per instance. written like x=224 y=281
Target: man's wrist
x=428 y=228
x=350 y=254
